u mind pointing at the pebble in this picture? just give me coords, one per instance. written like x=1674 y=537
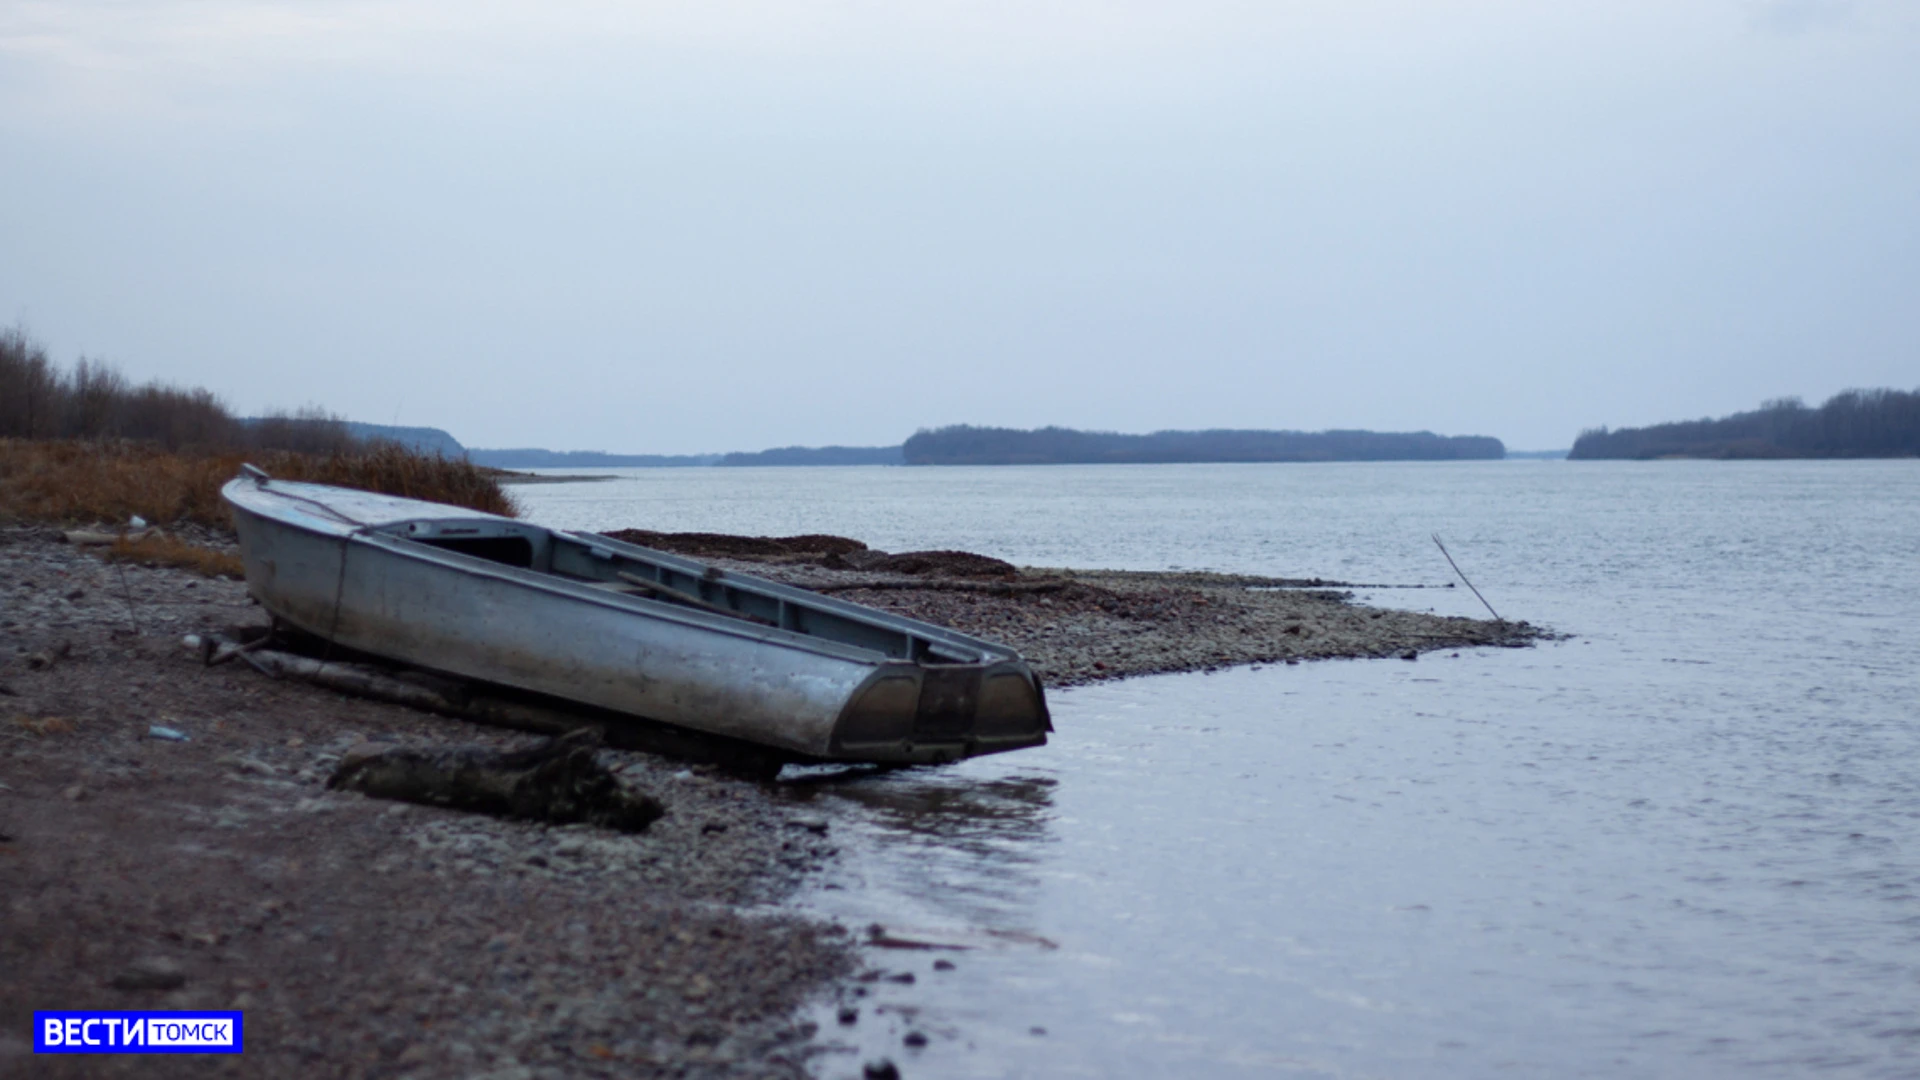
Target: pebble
x=150 y=973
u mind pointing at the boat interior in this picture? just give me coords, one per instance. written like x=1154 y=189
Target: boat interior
x=596 y=561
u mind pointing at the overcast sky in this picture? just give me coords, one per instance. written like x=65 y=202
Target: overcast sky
x=728 y=224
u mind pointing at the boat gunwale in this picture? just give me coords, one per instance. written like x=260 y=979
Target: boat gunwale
x=380 y=535
x=991 y=651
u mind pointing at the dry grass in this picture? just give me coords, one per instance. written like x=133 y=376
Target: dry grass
x=395 y=470
x=75 y=482
x=160 y=549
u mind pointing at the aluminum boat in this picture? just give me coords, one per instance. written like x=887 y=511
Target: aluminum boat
x=589 y=619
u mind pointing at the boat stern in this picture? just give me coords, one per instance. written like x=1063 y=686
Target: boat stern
x=931 y=714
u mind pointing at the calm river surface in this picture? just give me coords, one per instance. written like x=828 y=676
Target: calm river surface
x=1683 y=842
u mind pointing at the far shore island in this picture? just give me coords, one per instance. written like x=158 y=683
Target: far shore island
x=966 y=445
x=1854 y=424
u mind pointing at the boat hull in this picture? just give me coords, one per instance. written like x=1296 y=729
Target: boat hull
x=370 y=588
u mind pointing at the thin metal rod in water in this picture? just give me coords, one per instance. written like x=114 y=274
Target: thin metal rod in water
x=133 y=616
x=1463 y=577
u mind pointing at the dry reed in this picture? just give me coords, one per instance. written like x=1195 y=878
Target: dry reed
x=74 y=482
x=395 y=470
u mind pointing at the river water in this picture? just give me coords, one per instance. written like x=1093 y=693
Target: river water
x=1680 y=842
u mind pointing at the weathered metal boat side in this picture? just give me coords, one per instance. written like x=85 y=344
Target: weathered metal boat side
x=590 y=619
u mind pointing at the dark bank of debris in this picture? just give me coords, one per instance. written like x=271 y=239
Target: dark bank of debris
x=819 y=549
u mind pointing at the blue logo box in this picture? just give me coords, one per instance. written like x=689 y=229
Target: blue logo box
x=149 y=1032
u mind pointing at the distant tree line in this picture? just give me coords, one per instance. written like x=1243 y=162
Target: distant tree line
x=1857 y=423
x=41 y=400
x=819 y=455
x=965 y=445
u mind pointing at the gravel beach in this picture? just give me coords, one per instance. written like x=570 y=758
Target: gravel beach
x=167 y=839
x=362 y=938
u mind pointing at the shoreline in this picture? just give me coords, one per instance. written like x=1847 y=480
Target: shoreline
x=219 y=872
x=1107 y=625
x=506 y=476
x=1085 y=626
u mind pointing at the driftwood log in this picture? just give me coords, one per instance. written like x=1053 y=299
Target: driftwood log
x=418 y=690
x=558 y=781
x=92 y=538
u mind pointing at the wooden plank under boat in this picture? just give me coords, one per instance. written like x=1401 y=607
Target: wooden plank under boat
x=590 y=619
